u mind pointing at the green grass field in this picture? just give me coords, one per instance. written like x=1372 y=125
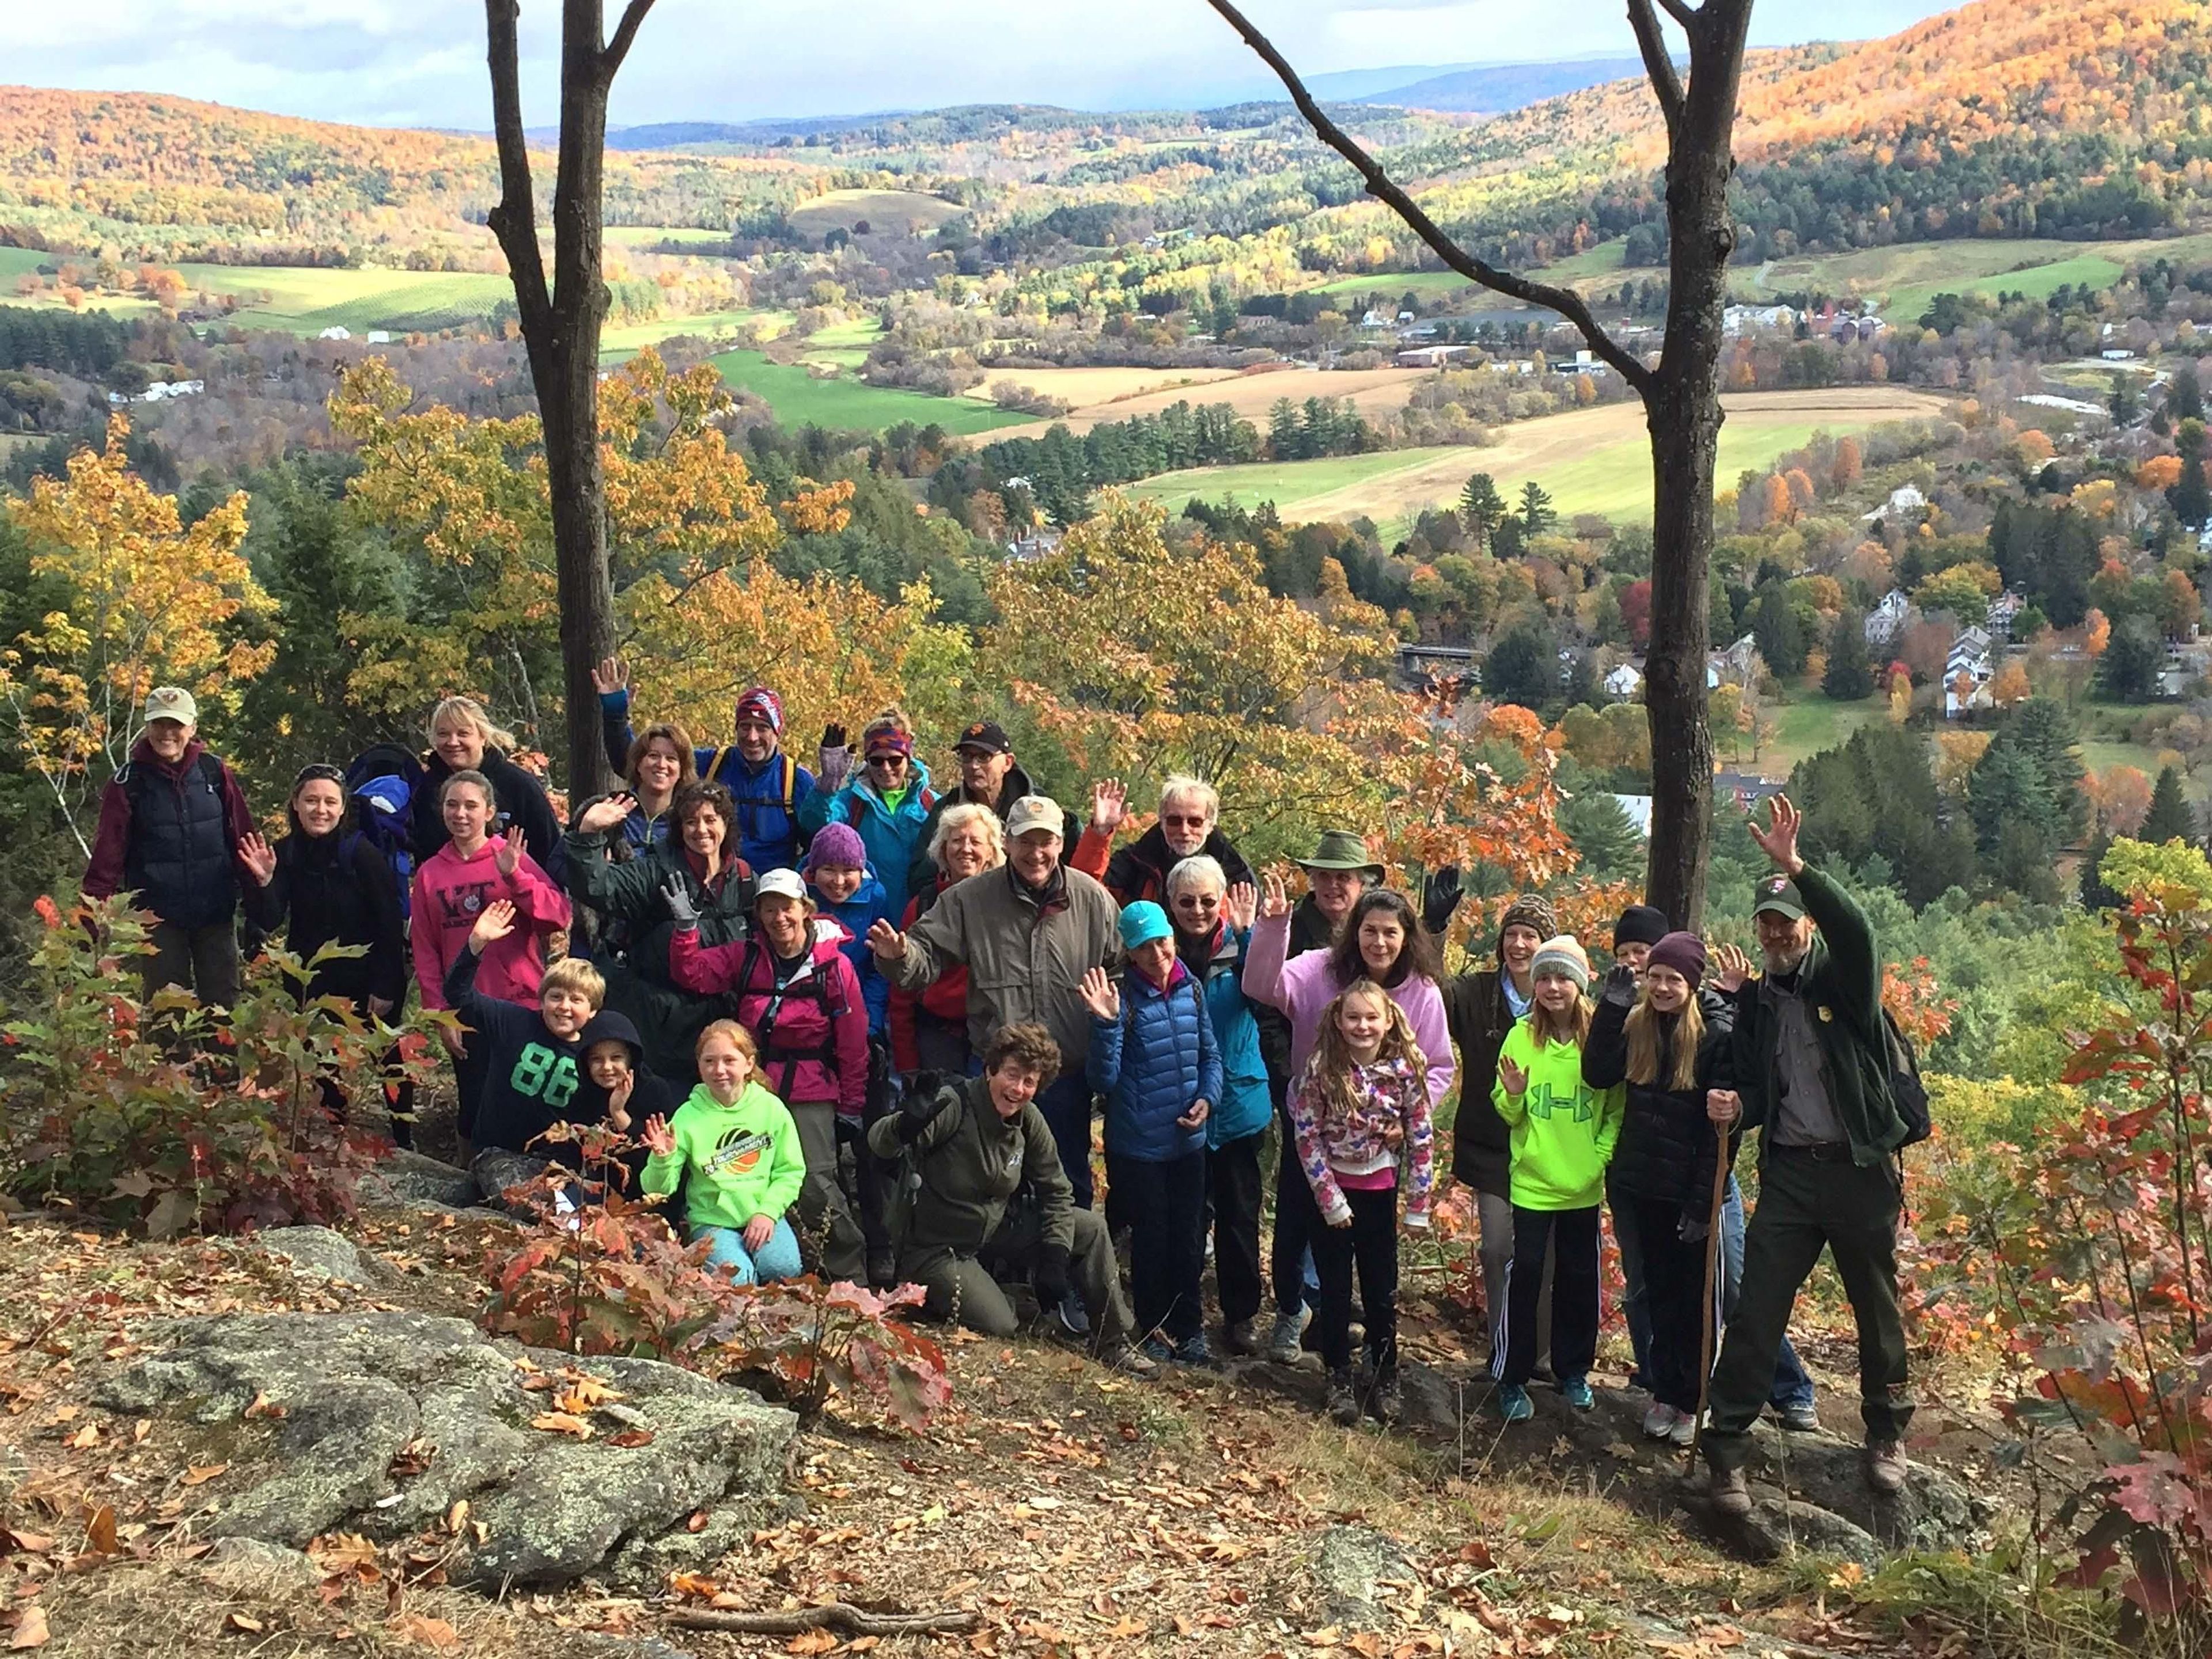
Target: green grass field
x=653 y=235
x=800 y=400
x=1905 y=277
x=1284 y=483
x=1600 y=261
x=620 y=345
x=883 y=209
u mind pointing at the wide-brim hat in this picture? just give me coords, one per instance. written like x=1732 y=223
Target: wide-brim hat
x=1341 y=849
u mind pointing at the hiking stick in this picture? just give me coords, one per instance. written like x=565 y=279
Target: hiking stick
x=1708 y=1319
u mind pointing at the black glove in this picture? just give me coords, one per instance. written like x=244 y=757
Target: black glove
x=1621 y=986
x=833 y=736
x=1692 y=1229
x=1050 y=1277
x=929 y=1097
x=1441 y=899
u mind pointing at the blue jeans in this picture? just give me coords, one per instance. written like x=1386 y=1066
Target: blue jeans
x=1792 y=1387
x=777 y=1259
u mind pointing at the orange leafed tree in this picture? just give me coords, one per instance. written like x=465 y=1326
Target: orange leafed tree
x=152 y=603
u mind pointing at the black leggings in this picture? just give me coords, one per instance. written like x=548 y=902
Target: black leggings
x=1571 y=1236
x=1371 y=1243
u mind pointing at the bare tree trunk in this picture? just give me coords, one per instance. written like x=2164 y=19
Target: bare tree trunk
x=1681 y=392
x=560 y=325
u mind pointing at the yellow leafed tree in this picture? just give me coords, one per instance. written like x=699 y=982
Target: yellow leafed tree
x=150 y=603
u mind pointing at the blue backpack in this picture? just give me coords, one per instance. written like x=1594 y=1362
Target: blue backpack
x=380 y=786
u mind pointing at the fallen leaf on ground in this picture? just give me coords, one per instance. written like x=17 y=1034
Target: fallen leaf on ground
x=812 y=1641
x=561 y=1423
x=100 y=1531
x=239 y=1621
x=200 y=1473
x=431 y=1632
x=31 y=1629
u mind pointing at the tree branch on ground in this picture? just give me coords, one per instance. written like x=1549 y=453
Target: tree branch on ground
x=834 y=1615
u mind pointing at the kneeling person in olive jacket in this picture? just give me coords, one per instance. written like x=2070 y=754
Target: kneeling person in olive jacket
x=963 y=1150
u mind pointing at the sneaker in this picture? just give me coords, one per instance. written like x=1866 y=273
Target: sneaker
x=1241 y=1338
x=1073 y=1318
x=1193 y=1349
x=1576 y=1391
x=1659 y=1422
x=1798 y=1420
x=1121 y=1356
x=1342 y=1402
x=1684 y=1431
x=1384 y=1401
x=1885 y=1466
x=1728 y=1492
x=1513 y=1404
x=1283 y=1344
x=1156 y=1350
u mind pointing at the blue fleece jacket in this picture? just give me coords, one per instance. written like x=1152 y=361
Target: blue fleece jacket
x=1153 y=1063
x=858 y=914
x=767 y=834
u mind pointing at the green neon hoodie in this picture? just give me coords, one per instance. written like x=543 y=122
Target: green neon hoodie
x=741 y=1160
x=1562 y=1129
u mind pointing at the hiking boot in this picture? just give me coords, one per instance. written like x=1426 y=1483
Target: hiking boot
x=1156 y=1350
x=1283 y=1346
x=1135 y=1362
x=1241 y=1338
x=1513 y=1404
x=1659 y=1422
x=1576 y=1391
x=1384 y=1401
x=1342 y=1402
x=1885 y=1466
x=1193 y=1349
x=1798 y=1420
x=882 y=1269
x=1728 y=1492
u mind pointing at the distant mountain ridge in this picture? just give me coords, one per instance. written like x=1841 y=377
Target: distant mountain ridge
x=1497 y=89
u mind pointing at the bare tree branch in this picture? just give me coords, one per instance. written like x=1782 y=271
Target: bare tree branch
x=1658 y=64
x=625 y=32
x=515 y=220
x=1685 y=14
x=1565 y=301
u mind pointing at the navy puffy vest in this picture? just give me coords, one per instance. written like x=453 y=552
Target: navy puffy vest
x=179 y=858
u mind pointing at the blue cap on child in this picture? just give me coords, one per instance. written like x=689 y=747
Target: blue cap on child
x=1143 y=922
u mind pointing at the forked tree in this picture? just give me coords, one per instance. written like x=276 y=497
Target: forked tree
x=560 y=322
x=1681 y=390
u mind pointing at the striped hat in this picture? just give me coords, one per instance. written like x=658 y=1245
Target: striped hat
x=1562 y=955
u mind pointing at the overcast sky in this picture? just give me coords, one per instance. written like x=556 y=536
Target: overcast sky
x=420 y=63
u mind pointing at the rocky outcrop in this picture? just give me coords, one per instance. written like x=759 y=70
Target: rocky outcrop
x=381 y=1423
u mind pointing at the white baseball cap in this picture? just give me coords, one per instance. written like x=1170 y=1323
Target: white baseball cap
x=1036 y=812
x=779 y=883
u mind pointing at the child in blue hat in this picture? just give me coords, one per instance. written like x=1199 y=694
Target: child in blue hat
x=1154 y=1057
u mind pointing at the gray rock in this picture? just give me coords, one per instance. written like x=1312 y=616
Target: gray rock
x=1362 y=1573
x=642 y=1566
x=343 y=1395
x=1934 y=1511
x=1778 y=1527
x=246 y=1565
x=406 y=1180
x=318 y=1250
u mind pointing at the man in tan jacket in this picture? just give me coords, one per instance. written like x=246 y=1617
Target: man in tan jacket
x=1027 y=934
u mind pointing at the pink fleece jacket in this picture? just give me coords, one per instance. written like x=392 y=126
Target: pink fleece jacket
x=450 y=892
x=1303 y=987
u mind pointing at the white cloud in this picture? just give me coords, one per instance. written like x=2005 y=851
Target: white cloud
x=420 y=62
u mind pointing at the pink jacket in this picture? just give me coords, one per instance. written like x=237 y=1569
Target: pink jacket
x=1303 y=987
x=814 y=1046
x=450 y=892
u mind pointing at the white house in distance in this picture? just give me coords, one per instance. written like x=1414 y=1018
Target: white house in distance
x=1430 y=357
x=1967 y=673
x=335 y=331
x=1905 y=498
x=1733 y=665
x=1624 y=683
x=1887 y=619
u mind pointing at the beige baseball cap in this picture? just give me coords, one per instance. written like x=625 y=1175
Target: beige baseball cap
x=172 y=702
x=1036 y=812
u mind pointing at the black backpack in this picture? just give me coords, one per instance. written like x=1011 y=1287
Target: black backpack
x=1906 y=1090
x=380 y=786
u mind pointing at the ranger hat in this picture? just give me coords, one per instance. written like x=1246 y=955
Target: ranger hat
x=1341 y=849
x=1778 y=894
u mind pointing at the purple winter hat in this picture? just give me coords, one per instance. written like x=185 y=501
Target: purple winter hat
x=836 y=844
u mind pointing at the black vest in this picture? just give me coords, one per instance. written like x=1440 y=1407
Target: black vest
x=179 y=860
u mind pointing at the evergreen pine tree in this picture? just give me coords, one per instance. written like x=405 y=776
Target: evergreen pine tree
x=1849 y=677
x=2170 y=815
x=2095 y=895
x=1481 y=506
x=1537 y=512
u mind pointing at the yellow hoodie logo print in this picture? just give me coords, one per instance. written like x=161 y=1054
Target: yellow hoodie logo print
x=1543 y=1101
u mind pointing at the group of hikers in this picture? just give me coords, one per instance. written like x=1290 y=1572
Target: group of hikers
x=861 y=1027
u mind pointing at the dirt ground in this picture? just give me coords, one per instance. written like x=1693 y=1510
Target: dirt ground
x=1064 y=1509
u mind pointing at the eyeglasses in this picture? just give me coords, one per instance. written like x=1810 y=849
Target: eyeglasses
x=1177 y=821
x=890 y=763
x=1197 y=901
